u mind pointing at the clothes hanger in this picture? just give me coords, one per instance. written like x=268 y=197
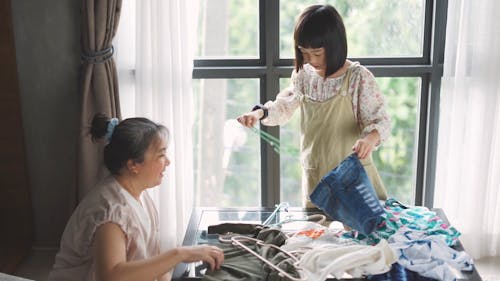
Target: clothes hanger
x=275 y=142
x=317 y=218
x=238 y=241
x=277 y=209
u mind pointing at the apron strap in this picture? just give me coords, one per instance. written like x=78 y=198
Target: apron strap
x=345 y=85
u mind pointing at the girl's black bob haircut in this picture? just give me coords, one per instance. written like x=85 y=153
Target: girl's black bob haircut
x=321 y=26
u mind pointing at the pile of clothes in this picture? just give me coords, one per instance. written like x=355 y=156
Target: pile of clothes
x=377 y=240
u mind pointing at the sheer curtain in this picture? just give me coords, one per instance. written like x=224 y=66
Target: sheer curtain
x=155 y=52
x=468 y=160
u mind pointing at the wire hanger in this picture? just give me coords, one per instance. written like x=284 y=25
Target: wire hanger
x=275 y=142
x=282 y=205
x=238 y=241
x=317 y=218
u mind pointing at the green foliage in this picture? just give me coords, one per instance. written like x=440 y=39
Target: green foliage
x=243 y=28
x=375 y=28
x=395 y=159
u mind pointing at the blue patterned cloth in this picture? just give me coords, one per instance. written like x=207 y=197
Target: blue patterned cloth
x=397 y=217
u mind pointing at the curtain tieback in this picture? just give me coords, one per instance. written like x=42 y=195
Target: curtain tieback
x=99 y=56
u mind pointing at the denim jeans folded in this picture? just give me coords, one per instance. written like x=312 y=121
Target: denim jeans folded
x=346 y=194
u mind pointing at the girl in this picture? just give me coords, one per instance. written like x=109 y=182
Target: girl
x=113 y=233
x=342 y=109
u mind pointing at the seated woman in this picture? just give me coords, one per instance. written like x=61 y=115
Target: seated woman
x=113 y=233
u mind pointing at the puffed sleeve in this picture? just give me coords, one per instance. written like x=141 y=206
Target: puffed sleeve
x=371 y=113
x=116 y=214
x=96 y=210
x=287 y=101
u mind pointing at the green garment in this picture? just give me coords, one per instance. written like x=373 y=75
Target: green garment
x=329 y=129
x=241 y=265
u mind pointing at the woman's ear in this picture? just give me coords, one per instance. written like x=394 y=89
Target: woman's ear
x=132 y=166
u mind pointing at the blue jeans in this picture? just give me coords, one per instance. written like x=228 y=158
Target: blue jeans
x=346 y=194
x=398 y=273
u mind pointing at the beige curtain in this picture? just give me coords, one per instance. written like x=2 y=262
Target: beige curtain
x=99 y=85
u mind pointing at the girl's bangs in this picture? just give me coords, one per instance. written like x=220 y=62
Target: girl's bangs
x=312 y=37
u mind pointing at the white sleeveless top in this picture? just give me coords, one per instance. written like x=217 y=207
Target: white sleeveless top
x=107 y=202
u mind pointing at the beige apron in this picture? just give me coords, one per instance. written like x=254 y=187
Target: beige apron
x=328 y=131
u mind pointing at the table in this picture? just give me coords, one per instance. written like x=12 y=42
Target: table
x=201 y=218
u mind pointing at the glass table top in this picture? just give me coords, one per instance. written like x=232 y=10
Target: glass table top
x=202 y=218
x=264 y=216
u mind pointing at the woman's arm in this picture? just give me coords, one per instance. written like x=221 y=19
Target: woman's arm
x=166 y=277
x=369 y=106
x=111 y=258
x=279 y=111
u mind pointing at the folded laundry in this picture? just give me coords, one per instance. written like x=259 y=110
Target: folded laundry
x=347 y=195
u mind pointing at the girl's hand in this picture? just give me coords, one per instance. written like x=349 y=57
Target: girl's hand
x=364 y=147
x=250 y=118
x=212 y=255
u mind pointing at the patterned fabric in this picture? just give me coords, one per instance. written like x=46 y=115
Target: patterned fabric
x=367 y=100
x=400 y=217
x=429 y=256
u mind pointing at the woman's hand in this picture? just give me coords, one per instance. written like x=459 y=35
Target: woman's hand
x=250 y=118
x=364 y=147
x=214 y=256
x=110 y=256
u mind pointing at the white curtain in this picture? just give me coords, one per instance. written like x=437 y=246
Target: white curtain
x=468 y=160
x=155 y=52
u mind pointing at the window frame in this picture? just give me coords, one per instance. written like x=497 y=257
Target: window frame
x=269 y=68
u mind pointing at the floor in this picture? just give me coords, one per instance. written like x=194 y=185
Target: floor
x=37 y=266
x=489 y=268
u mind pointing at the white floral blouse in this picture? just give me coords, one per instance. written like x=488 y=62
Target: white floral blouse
x=368 y=103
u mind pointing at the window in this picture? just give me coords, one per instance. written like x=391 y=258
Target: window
x=221 y=26
x=227 y=155
x=377 y=28
x=245 y=56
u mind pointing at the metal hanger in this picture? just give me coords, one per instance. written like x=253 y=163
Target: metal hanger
x=238 y=241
